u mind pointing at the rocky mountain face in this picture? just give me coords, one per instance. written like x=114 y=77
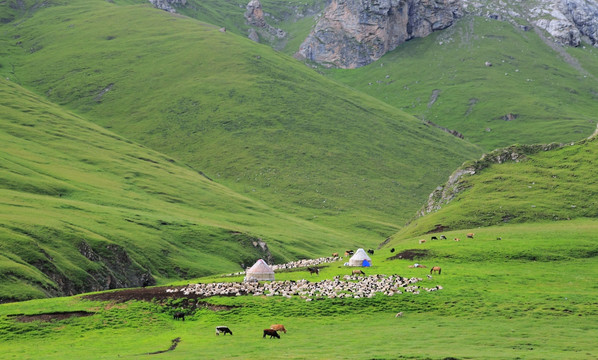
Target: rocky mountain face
x=568 y=22
x=353 y=33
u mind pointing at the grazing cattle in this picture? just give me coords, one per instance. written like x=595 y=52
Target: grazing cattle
x=334 y=254
x=370 y=251
x=223 y=329
x=278 y=327
x=392 y=250
x=457 y=239
x=178 y=316
x=499 y=238
x=313 y=270
x=442 y=237
x=349 y=252
x=470 y=235
x=272 y=333
x=436 y=269
x=399 y=314
x=421 y=241
x=433 y=238
x=358 y=272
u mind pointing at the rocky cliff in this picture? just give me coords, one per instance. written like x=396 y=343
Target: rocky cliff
x=353 y=33
x=568 y=22
x=168 y=5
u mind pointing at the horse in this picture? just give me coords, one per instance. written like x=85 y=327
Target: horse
x=313 y=270
x=436 y=269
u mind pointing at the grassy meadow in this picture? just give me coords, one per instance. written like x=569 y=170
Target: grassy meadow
x=67 y=182
x=136 y=141
x=495 y=304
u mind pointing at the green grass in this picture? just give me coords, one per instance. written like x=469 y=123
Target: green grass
x=250 y=118
x=494 y=304
x=67 y=182
x=553 y=101
x=553 y=185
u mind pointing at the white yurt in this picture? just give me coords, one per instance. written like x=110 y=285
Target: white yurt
x=358 y=257
x=259 y=271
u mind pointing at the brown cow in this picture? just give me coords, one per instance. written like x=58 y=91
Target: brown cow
x=271 y=332
x=334 y=254
x=358 y=272
x=278 y=327
x=470 y=235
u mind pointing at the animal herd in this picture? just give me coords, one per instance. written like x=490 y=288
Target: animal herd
x=443 y=237
x=272 y=331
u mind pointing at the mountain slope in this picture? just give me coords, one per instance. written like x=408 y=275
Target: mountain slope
x=250 y=118
x=84 y=209
x=519 y=184
x=526 y=93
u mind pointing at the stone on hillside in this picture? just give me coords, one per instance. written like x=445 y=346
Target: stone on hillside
x=354 y=33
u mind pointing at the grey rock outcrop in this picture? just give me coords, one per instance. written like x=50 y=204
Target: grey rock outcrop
x=168 y=5
x=254 y=16
x=353 y=33
x=565 y=21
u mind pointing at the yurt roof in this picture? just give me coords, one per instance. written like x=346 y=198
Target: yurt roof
x=260 y=267
x=360 y=254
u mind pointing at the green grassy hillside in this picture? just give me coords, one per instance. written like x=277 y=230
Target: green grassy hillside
x=531 y=295
x=83 y=208
x=443 y=78
x=553 y=185
x=249 y=118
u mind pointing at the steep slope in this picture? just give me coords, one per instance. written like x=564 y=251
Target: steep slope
x=250 y=118
x=83 y=209
x=519 y=184
x=492 y=82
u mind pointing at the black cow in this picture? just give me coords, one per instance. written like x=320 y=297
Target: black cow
x=223 y=329
x=370 y=251
x=178 y=316
x=272 y=333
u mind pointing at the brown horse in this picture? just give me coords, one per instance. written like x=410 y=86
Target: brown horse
x=436 y=269
x=313 y=270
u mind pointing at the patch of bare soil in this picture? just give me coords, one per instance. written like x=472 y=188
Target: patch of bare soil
x=175 y=342
x=156 y=294
x=47 y=317
x=411 y=254
x=144 y=294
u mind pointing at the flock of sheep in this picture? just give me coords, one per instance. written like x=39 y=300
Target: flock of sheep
x=347 y=287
